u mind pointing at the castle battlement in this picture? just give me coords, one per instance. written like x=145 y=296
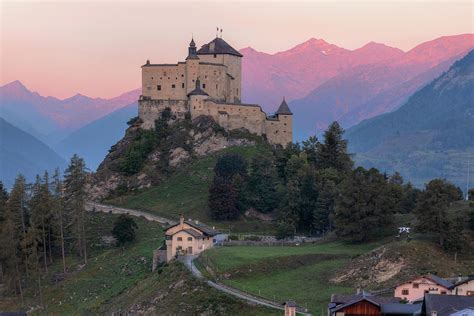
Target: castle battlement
x=209 y=83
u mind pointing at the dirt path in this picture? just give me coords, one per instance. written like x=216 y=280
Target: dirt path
x=97 y=207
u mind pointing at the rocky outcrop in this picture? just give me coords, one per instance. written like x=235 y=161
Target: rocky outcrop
x=142 y=158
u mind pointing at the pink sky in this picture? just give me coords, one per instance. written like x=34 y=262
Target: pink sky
x=96 y=47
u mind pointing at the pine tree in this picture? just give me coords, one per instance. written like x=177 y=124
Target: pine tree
x=58 y=212
x=332 y=153
x=223 y=200
x=365 y=206
x=432 y=208
x=74 y=184
x=3 y=206
x=261 y=191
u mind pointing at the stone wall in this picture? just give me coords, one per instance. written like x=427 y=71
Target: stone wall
x=149 y=110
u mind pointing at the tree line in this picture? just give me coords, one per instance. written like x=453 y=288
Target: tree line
x=42 y=222
x=313 y=188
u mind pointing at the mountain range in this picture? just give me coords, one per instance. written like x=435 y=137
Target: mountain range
x=431 y=135
x=325 y=83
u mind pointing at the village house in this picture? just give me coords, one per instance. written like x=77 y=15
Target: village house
x=464 y=286
x=186 y=238
x=418 y=287
x=362 y=303
x=447 y=305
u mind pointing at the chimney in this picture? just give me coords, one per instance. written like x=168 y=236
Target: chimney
x=181 y=219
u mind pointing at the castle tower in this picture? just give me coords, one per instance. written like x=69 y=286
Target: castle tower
x=196 y=100
x=192 y=67
x=220 y=52
x=285 y=116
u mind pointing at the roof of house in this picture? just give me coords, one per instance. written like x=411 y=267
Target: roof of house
x=290 y=304
x=398 y=308
x=433 y=277
x=193 y=233
x=345 y=298
x=218 y=46
x=343 y=301
x=438 y=280
x=468 y=279
x=206 y=230
x=284 y=109
x=445 y=305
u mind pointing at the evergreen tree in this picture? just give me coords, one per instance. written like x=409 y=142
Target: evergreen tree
x=74 y=198
x=328 y=182
x=332 y=153
x=3 y=206
x=58 y=212
x=230 y=165
x=124 y=229
x=432 y=208
x=223 y=200
x=261 y=191
x=365 y=206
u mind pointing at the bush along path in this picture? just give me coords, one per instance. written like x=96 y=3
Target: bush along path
x=188 y=260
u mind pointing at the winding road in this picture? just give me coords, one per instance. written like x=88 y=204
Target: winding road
x=187 y=260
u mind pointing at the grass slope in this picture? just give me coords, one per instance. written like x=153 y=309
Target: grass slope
x=300 y=273
x=120 y=280
x=186 y=192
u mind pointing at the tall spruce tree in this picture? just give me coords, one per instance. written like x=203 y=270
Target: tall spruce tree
x=58 y=212
x=261 y=191
x=332 y=152
x=74 y=196
x=365 y=206
x=432 y=209
x=3 y=206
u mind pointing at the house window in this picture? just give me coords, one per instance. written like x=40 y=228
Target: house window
x=443 y=292
x=204 y=86
x=190 y=238
x=405 y=292
x=173 y=86
x=415 y=285
x=158 y=87
x=180 y=238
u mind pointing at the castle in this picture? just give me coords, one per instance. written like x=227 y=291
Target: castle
x=209 y=83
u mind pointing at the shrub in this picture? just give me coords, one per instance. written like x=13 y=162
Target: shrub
x=124 y=229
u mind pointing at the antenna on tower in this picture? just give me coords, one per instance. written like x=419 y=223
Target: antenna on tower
x=221 y=33
x=217 y=31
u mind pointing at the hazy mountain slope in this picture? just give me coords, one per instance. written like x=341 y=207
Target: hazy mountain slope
x=51 y=119
x=429 y=136
x=362 y=92
x=93 y=141
x=23 y=153
x=297 y=71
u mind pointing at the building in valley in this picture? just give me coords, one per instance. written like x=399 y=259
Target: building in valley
x=209 y=82
x=464 y=286
x=187 y=237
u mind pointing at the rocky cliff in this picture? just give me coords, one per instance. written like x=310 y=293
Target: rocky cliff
x=143 y=158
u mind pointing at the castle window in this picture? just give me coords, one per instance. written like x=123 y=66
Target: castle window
x=151 y=78
x=216 y=87
x=169 y=78
x=237 y=90
x=173 y=86
x=182 y=85
x=158 y=87
x=182 y=75
x=204 y=86
x=205 y=77
x=164 y=73
x=215 y=56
